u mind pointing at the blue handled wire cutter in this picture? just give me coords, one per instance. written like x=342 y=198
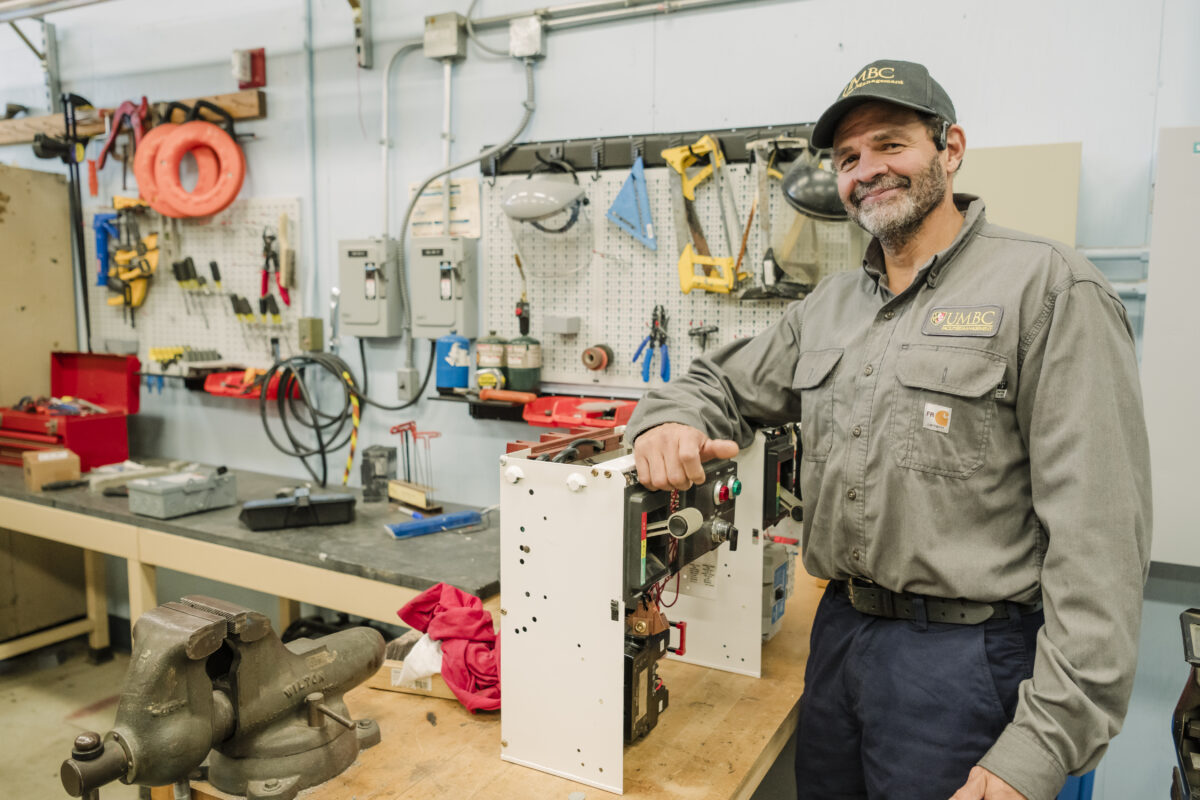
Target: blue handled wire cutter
x=657 y=338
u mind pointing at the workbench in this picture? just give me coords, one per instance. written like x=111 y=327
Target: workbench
x=357 y=568
x=716 y=741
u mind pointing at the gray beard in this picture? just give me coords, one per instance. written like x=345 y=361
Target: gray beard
x=895 y=222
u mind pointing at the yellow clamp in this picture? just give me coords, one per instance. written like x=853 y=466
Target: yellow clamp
x=722 y=281
x=684 y=156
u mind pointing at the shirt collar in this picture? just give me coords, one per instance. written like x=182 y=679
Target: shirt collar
x=974 y=218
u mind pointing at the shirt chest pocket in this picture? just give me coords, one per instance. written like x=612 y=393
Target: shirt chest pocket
x=945 y=408
x=812 y=382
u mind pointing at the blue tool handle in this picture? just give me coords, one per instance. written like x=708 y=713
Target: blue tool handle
x=441 y=522
x=641 y=347
x=646 y=365
x=666 y=364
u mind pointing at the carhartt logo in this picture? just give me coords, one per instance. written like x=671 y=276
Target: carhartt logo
x=872 y=75
x=963 y=321
x=937 y=418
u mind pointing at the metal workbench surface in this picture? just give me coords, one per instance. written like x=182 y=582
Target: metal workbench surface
x=470 y=561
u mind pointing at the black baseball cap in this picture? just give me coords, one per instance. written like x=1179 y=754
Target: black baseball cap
x=900 y=82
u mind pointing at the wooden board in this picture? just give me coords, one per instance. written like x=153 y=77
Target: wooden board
x=41 y=584
x=1030 y=188
x=247 y=104
x=719 y=736
x=37 y=288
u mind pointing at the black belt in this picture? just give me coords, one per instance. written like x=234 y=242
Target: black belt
x=870 y=598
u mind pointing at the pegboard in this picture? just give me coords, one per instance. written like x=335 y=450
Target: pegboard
x=612 y=282
x=173 y=317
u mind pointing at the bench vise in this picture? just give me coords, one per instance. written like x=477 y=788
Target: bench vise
x=210 y=680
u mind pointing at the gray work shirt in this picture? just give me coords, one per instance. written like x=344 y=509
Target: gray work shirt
x=980 y=436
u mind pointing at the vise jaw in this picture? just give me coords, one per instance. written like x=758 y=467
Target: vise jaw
x=211 y=680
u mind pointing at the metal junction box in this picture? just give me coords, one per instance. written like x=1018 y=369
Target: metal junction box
x=445 y=36
x=370 y=300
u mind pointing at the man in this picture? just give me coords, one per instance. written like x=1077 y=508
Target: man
x=974 y=462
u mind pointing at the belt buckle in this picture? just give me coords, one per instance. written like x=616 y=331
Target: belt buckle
x=850 y=591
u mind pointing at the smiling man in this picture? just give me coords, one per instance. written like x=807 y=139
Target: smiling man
x=975 y=475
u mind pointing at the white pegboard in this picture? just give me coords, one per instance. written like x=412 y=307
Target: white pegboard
x=171 y=317
x=613 y=288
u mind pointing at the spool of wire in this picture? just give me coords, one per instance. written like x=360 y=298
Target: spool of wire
x=597 y=357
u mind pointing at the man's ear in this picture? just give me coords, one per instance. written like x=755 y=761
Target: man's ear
x=956 y=148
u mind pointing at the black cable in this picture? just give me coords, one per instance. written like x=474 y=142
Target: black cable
x=303 y=412
x=362 y=356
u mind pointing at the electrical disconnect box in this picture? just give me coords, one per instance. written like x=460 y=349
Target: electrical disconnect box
x=369 y=303
x=441 y=276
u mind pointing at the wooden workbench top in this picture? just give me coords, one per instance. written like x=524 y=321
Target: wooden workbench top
x=719 y=736
x=470 y=561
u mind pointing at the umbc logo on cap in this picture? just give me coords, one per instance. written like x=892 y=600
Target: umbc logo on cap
x=872 y=75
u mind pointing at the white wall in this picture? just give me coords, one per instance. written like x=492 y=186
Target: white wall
x=1106 y=73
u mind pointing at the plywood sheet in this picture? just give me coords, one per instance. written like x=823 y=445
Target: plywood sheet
x=1031 y=188
x=37 y=295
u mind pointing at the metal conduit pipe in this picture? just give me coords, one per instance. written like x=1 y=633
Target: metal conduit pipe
x=385 y=138
x=447 y=73
x=1116 y=253
x=571 y=14
x=484 y=155
x=21 y=9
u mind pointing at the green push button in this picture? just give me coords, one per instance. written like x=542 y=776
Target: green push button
x=735 y=488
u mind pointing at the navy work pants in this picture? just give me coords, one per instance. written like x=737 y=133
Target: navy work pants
x=901 y=710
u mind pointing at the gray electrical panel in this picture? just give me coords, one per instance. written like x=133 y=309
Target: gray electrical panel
x=370 y=304
x=441 y=277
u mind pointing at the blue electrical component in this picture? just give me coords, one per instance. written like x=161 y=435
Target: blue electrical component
x=105 y=226
x=630 y=211
x=441 y=522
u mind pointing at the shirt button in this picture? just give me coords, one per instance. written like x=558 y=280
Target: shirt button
x=856 y=554
x=868 y=369
x=889 y=314
x=856 y=432
x=850 y=495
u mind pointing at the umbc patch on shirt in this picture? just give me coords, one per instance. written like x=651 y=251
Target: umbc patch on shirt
x=963 y=321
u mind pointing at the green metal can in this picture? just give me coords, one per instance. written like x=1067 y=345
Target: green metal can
x=524 y=357
x=489 y=354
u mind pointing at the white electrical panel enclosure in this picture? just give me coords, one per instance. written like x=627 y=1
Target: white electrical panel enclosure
x=370 y=301
x=443 y=287
x=574 y=574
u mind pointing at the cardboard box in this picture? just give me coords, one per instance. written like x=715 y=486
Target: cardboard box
x=46 y=466
x=388 y=679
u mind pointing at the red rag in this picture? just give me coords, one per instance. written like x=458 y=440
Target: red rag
x=470 y=647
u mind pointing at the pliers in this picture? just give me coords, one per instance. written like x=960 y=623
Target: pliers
x=271 y=260
x=657 y=338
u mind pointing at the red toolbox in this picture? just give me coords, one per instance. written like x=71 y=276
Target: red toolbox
x=109 y=381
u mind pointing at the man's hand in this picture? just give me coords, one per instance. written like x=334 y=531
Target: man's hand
x=670 y=455
x=983 y=785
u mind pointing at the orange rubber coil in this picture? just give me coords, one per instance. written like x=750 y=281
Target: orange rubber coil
x=231 y=169
x=143 y=169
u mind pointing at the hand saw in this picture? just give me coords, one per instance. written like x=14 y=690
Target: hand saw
x=688 y=231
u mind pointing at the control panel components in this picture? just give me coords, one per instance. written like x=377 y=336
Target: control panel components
x=781 y=476
x=592 y=563
x=665 y=531
x=370 y=300
x=441 y=278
